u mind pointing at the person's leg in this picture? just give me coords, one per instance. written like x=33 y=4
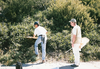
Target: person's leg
x=43 y=50
x=76 y=54
x=36 y=45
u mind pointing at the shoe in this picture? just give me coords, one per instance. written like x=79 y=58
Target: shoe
x=36 y=55
x=74 y=65
x=43 y=61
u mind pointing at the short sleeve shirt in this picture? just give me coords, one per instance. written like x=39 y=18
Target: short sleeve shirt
x=40 y=31
x=74 y=30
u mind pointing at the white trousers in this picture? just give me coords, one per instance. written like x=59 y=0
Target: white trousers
x=76 y=54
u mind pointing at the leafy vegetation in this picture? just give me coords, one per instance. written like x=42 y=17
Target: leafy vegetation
x=94 y=9
x=17 y=19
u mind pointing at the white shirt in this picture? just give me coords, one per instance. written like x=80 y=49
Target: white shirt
x=74 y=30
x=40 y=31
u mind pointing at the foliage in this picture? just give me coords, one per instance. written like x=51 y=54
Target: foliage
x=41 y=4
x=3 y=35
x=59 y=42
x=94 y=8
x=60 y=12
x=54 y=16
x=14 y=43
x=15 y=10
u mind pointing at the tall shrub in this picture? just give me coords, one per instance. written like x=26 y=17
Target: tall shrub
x=14 y=43
x=94 y=8
x=60 y=12
x=16 y=10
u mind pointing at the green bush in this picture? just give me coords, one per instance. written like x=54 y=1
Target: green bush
x=93 y=9
x=4 y=36
x=59 y=42
x=60 y=12
x=90 y=52
x=14 y=43
x=15 y=47
x=16 y=10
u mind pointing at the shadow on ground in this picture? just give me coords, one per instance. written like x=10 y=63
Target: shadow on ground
x=26 y=65
x=23 y=65
x=66 y=67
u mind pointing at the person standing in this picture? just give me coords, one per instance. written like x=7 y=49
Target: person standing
x=42 y=38
x=75 y=41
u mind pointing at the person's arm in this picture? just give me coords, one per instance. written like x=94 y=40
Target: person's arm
x=33 y=35
x=73 y=40
x=74 y=37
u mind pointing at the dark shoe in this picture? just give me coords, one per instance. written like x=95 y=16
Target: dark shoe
x=74 y=65
x=43 y=61
x=36 y=55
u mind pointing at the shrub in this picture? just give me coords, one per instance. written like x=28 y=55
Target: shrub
x=58 y=42
x=60 y=12
x=14 y=43
x=93 y=9
x=15 y=10
x=15 y=47
x=4 y=36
